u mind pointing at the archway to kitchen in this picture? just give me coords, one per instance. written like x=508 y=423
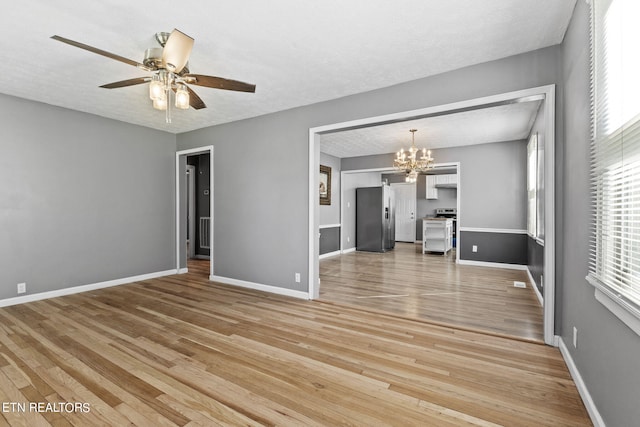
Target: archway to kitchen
x=453 y=275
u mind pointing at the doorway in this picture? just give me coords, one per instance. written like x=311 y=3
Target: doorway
x=191 y=211
x=405 y=197
x=195 y=211
x=545 y=93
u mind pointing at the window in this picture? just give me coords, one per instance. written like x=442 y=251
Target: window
x=615 y=252
x=532 y=186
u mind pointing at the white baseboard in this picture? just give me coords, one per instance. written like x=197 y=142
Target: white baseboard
x=493 y=264
x=595 y=416
x=183 y=270
x=83 y=288
x=346 y=251
x=535 y=288
x=260 y=287
x=330 y=254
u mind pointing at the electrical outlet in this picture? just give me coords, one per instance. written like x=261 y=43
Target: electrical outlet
x=297 y=277
x=22 y=288
x=575 y=337
x=474 y=248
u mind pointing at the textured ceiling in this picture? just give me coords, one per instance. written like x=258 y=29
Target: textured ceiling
x=510 y=122
x=297 y=53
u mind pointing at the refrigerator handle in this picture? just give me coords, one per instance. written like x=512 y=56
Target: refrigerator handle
x=386 y=213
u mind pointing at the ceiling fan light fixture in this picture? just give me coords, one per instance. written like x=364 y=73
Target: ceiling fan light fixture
x=156 y=88
x=160 y=103
x=169 y=71
x=182 y=97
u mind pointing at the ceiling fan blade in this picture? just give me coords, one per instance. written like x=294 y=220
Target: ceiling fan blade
x=124 y=83
x=176 y=51
x=219 y=83
x=194 y=100
x=101 y=52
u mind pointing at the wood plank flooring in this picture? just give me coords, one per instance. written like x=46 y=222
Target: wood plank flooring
x=434 y=288
x=183 y=351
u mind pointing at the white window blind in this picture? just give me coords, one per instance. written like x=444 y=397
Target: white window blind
x=615 y=168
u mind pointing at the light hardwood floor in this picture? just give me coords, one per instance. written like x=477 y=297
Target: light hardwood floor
x=183 y=351
x=434 y=288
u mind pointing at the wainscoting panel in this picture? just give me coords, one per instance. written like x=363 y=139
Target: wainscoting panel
x=329 y=239
x=499 y=247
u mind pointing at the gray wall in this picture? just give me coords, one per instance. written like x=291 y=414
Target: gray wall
x=492 y=182
x=83 y=199
x=607 y=353
x=330 y=214
x=276 y=148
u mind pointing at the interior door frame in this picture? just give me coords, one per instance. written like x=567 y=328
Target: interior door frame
x=179 y=241
x=191 y=210
x=545 y=93
x=415 y=204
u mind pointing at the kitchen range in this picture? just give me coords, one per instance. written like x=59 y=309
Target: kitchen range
x=449 y=213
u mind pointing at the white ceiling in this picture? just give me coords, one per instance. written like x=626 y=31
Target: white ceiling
x=511 y=122
x=297 y=53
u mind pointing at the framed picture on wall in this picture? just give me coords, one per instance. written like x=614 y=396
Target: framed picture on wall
x=325 y=185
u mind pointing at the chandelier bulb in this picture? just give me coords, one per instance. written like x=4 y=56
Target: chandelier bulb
x=182 y=97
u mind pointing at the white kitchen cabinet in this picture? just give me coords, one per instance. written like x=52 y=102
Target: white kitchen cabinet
x=449 y=180
x=437 y=235
x=432 y=191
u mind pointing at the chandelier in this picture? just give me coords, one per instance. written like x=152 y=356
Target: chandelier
x=409 y=163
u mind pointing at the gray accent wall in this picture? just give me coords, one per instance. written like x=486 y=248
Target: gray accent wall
x=608 y=351
x=329 y=240
x=504 y=248
x=535 y=262
x=83 y=199
x=261 y=218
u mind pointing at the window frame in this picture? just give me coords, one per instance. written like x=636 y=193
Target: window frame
x=610 y=249
x=532 y=186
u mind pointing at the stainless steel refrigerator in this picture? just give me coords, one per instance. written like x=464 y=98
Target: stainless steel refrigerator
x=375 y=219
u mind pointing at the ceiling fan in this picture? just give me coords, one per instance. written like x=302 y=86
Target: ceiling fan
x=169 y=70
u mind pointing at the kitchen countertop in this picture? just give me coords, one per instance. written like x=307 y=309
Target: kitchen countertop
x=436 y=219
